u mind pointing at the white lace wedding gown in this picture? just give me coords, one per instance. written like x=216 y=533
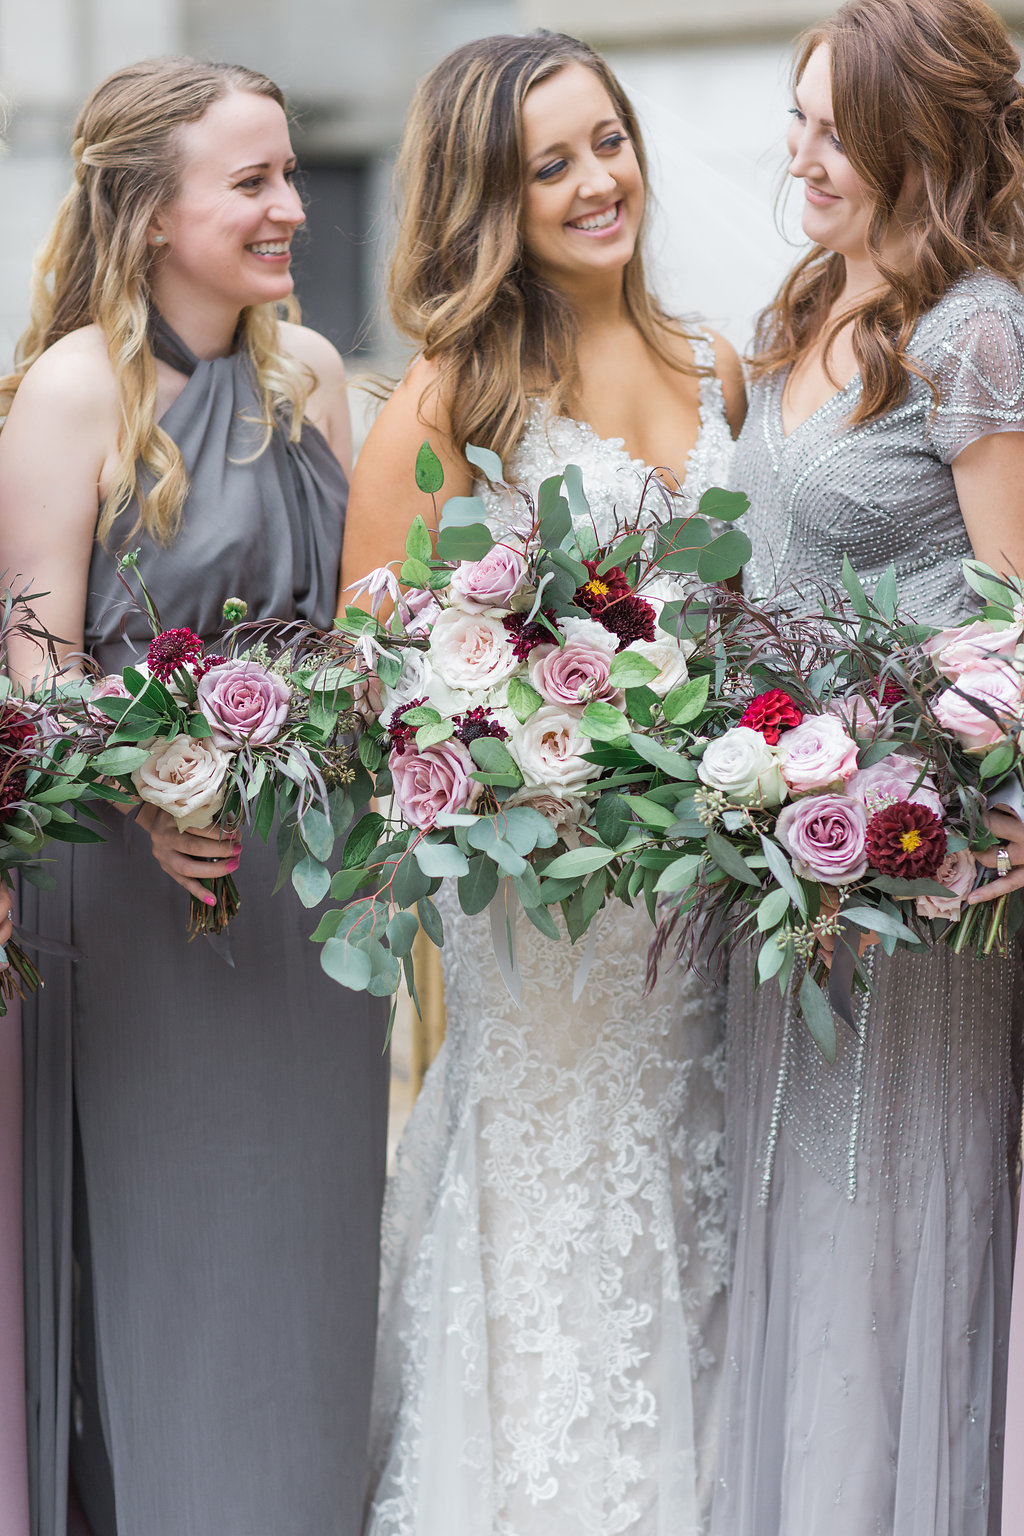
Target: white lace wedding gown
x=554 y=1251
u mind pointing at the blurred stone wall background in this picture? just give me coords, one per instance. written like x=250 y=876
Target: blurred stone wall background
x=709 y=76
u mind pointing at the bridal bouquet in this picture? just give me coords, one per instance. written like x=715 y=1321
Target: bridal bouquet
x=258 y=735
x=522 y=682
x=842 y=770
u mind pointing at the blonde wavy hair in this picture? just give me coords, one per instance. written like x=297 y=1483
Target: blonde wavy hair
x=94 y=269
x=922 y=86
x=461 y=286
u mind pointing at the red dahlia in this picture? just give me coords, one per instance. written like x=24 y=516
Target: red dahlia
x=906 y=840
x=476 y=723
x=772 y=713
x=172 y=649
x=13 y=778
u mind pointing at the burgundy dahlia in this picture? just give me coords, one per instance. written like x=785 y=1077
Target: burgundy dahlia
x=772 y=713
x=888 y=693
x=172 y=649
x=602 y=589
x=524 y=636
x=631 y=618
x=906 y=840
x=476 y=723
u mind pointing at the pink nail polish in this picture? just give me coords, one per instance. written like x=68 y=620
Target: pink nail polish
x=211 y=901
x=233 y=866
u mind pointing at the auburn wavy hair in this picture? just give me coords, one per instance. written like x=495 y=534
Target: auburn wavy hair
x=461 y=286
x=95 y=265
x=927 y=85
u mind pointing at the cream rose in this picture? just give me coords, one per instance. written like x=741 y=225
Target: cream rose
x=668 y=657
x=549 y=749
x=186 y=778
x=470 y=650
x=744 y=767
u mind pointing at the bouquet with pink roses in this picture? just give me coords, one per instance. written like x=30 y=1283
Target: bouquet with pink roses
x=842 y=770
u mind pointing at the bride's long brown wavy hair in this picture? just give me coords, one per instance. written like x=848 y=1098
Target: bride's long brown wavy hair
x=461 y=287
x=94 y=270
x=917 y=85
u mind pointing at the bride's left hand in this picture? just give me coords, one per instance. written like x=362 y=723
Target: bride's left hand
x=1010 y=831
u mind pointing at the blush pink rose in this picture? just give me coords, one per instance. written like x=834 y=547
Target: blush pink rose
x=573 y=673
x=891 y=780
x=470 y=650
x=549 y=749
x=958 y=872
x=433 y=780
x=826 y=836
x=953 y=651
x=994 y=682
x=110 y=687
x=488 y=583
x=816 y=754
x=243 y=702
x=186 y=778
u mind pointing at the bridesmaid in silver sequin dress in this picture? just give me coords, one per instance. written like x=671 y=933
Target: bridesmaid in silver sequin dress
x=872 y=1200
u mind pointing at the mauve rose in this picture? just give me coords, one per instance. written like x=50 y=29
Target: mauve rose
x=958 y=872
x=573 y=673
x=185 y=778
x=433 y=780
x=970 y=645
x=826 y=835
x=470 y=650
x=549 y=748
x=891 y=780
x=488 y=583
x=110 y=687
x=816 y=753
x=744 y=767
x=994 y=682
x=243 y=702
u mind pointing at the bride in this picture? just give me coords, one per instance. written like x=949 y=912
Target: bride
x=552 y=1313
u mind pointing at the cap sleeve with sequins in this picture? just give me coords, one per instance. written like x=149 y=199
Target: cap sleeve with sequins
x=980 y=372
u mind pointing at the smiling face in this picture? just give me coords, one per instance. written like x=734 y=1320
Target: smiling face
x=224 y=241
x=583 y=199
x=837 y=204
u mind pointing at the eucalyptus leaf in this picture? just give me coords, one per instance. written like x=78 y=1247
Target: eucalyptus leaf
x=727 y=857
x=680 y=874
x=487 y=461
x=724 y=505
x=346 y=963
x=870 y=919
x=622 y=552
x=724 y=557
x=612 y=819
x=579 y=506
x=440 y=860
x=117 y=760
x=429 y=472
x=650 y=812
x=818 y=1017
x=433 y=733
x=401 y=931
x=784 y=874
x=772 y=909
x=578 y=861
x=463 y=512
x=469 y=543
x=542 y=920
x=311 y=880
x=362 y=840
x=553 y=513
x=477 y=887
x=408 y=882
x=674 y=764
x=770 y=959
x=430 y=920
x=317 y=834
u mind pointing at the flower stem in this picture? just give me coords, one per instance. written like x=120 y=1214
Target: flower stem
x=205 y=919
x=995 y=939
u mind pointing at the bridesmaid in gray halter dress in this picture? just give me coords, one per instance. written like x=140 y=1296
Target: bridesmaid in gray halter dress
x=229 y=1119
x=872 y=1200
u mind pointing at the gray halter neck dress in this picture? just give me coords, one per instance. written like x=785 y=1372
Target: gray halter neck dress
x=871 y=1201
x=232 y=1120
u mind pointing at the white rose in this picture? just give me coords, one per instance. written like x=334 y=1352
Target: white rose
x=744 y=767
x=588 y=632
x=413 y=683
x=185 y=778
x=668 y=657
x=470 y=650
x=549 y=748
x=664 y=589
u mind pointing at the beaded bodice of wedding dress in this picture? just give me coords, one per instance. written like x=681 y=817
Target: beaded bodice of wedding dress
x=554 y=1245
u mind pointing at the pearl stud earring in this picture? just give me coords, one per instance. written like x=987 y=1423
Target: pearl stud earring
x=159 y=239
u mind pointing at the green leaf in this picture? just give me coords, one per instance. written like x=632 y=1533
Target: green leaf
x=770 y=959
x=603 y=722
x=347 y=881
x=871 y=919
x=311 y=880
x=674 y=764
x=342 y=809
x=724 y=557
x=680 y=874
x=726 y=506
x=440 y=860
x=347 y=964
x=579 y=506
x=685 y=703
x=650 y=812
x=772 y=909
x=612 y=819
x=493 y=757
x=886 y=594
x=117 y=760
x=526 y=829
x=621 y=553
x=523 y=700
x=328 y=925
x=579 y=861
x=488 y=836
x=469 y=543
x=783 y=872
x=640 y=704
x=433 y=733
x=486 y=460
x=463 y=512
x=727 y=857
x=855 y=590
x=477 y=888
x=429 y=473
x=989 y=585
x=408 y=882
x=421 y=714
x=401 y=931
x=387 y=971
x=430 y=921
x=371 y=753
x=573 y=568
x=818 y=1017
x=317 y=834
x=542 y=920
x=997 y=762
x=631 y=670
x=199 y=727
x=362 y=840
x=905 y=889
x=415 y=573
x=553 y=513
x=417 y=542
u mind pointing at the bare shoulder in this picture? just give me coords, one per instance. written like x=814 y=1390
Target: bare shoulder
x=318 y=354
x=729 y=368
x=417 y=397
x=73 y=379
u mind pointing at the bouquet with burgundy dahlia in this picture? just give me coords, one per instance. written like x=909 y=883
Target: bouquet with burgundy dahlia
x=840 y=777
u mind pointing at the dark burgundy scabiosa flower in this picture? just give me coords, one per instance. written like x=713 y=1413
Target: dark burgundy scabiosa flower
x=202 y=665
x=772 y=713
x=16 y=728
x=888 y=693
x=400 y=733
x=172 y=649
x=906 y=840
x=476 y=723
x=524 y=636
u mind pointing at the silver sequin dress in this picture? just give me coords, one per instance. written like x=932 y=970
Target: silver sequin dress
x=871 y=1200
x=553 y=1261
